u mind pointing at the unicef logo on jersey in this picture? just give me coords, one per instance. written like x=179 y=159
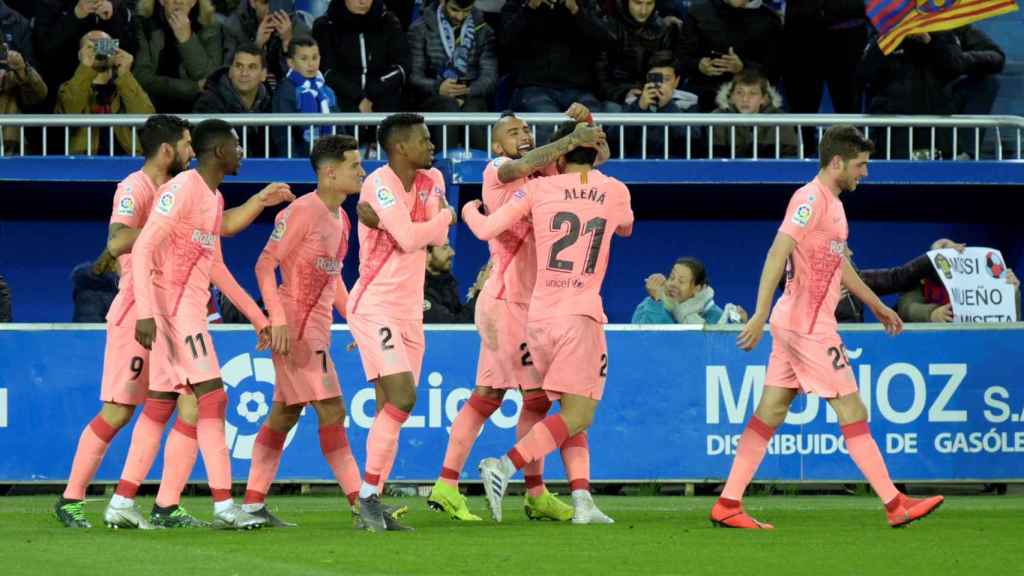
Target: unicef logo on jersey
x=250 y=383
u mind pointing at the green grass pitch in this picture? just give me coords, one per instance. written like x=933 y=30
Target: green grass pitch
x=819 y=535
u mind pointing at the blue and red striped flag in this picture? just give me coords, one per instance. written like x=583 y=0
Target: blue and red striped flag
x=897 y=19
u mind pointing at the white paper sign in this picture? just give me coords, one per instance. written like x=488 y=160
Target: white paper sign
x=976 y=283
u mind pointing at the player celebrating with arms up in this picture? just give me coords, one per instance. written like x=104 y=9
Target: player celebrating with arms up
x=573 y=214
x=309 y=244
x=807 y=353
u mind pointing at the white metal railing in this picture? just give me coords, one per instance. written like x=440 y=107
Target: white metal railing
x=699 y=130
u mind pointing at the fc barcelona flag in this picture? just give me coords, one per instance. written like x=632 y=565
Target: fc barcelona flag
x=897 y=19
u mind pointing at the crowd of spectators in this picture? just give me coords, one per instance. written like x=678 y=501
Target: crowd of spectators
x=643 y=56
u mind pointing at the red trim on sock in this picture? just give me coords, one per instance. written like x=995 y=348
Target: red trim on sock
x=577 y=441
x=763 y=430
x=729 y=503
x=185 y=429
x=271 y=438
x=516 y=458
x=484 y=405
x=333 y=438
x=395 y=414
x=579 y=484
x=220 y=494
x=213 y=404
x=254 y=497
x=533 y=481
x=127 y=489
x=449 y=474
x=557 y=427
x=894 y=503
x=537 y=401
x=158 y=409
x=101 y=428
x=855 y=429
x=352 y=497
x=371 y=479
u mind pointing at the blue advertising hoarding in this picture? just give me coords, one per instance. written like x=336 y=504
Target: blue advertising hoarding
x=945 y=405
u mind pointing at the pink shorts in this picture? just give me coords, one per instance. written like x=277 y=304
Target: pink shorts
x=125 y=365
x=388 y=346
x=505 y=361
x=813 y=363
x=571 y=354
x=183 y=354
x=306 y=374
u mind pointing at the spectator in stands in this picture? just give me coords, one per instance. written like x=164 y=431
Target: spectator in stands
x=93 y=288
x=60 y=24
x=637 y=33
x=441 y=304
x=554 y=47
x=302 y=91
x=180 y=45
x=365 y=57
x=21 y=86
x=5 y=301
x=255 y=22
x=721 y=38
x=749 y=92
x=454 y=65
x=660 y=94
x=684 y=298
x=883 y=281
x=929 y=300
x=933 y=73
x=240 y=89
x=102 y=84
x=838 y=31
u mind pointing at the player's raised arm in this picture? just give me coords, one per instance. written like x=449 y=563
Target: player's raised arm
x=487 y=227
x=240 y=217
x=538 y=158
x=410 y=236
x=855 y=284
x=771 y=273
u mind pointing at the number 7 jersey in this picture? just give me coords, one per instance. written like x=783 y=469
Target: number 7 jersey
x=574 y=215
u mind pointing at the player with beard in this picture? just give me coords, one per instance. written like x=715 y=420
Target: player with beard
x=504 y=363
x=807 y=353
x=174 y=261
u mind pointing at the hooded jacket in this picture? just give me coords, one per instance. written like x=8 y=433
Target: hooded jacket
x=92 y=293
x=361 y=55
x=715 y=26
x=220 y=97
x=429 y=59
x=552 y=48
x=788 y=143
x=16 y=94
x=623 y=66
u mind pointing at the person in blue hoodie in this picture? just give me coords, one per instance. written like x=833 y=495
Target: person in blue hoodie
x=93 y=287
x=685 y=297
x=303 y=91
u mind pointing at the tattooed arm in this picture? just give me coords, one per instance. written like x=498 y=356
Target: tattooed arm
x=538 y=158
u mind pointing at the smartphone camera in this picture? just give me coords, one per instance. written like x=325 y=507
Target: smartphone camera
x=656 y=78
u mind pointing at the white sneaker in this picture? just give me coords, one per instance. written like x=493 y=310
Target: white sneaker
x=586 y=512
x=495 y=479
x=234 y=518
x=126 y=518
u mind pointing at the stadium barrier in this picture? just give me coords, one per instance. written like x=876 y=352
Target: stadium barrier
x=945 y=405
x=1006 y=131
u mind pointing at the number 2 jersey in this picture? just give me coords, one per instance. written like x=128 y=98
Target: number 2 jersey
x=574 y=215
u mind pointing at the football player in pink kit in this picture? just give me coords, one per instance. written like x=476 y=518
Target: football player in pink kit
x=309 y=243
x=807 y=353
x=167 y=148
x=174 y=260
x=505 y=362
x=574 y=215
x=385 y=306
